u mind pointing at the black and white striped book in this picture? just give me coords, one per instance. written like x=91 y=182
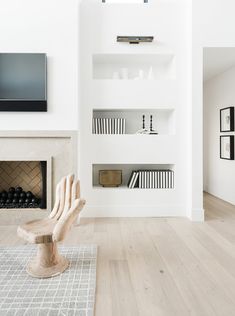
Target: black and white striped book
x=108 y=126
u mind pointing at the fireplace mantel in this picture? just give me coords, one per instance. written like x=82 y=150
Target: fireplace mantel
x=58 y=148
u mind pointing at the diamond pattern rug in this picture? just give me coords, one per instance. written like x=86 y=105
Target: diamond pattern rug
x=72 y=293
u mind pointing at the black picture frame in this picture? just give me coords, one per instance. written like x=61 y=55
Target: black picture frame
x=229 y=113
x=229 y=155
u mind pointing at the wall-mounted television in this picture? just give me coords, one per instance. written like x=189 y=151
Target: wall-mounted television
x=23 y=82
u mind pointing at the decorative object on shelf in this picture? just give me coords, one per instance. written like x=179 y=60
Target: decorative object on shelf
x=143 y=130
x=124 y=73
x=116 y=75
x=149 y=131
x=135 y=39
x=227 y=119
x=141 y=74
x=150 y=73
x=111 y=126
x=110 y=178
x=151 y=179
x=227 y=147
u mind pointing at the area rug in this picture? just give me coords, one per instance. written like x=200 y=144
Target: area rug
x=70 y=294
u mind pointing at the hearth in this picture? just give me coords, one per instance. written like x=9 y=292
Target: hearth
x=23 y=184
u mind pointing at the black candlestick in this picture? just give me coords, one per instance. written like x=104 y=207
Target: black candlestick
x=151 y=123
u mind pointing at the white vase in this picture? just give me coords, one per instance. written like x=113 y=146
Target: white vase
x=141 y=74
x=116 y=75
x=124 y=73
x=150 y=74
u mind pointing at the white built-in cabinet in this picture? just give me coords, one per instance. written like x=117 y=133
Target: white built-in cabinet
x=122 y=81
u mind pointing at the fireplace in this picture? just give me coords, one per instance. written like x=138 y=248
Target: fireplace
x=23 y=184
x=57 y=150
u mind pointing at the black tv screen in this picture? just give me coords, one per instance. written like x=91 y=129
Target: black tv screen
x=23 y=82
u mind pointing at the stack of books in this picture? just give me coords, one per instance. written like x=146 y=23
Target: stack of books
x=151 y=179
x=108 y=126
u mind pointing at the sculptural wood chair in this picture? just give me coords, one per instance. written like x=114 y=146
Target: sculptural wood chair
x=47 y=232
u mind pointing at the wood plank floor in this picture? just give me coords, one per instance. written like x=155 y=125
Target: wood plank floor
x=151 y=266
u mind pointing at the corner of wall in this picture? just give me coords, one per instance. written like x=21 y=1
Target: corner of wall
x=197 y=215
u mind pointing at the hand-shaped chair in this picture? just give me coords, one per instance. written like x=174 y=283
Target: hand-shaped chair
x=47 y=232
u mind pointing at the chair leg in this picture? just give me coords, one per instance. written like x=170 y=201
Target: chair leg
x=48 y=262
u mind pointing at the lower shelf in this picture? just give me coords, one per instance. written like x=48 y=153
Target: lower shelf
x=133 y=176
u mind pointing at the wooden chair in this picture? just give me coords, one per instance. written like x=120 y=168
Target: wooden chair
x=47 y=232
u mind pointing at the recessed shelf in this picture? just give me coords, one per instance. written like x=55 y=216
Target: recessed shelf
x=135 y=93
x=133 y=66
x=163 y=121
x=166 y=179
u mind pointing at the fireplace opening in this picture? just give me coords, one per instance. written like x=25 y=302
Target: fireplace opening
x=23 y=184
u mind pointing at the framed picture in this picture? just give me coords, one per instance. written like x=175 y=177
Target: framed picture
x=227 y=147
x=227 y=119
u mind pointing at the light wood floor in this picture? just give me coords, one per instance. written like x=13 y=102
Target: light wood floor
x=161 y=266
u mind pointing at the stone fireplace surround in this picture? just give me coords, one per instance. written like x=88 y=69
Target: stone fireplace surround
x=58 y=148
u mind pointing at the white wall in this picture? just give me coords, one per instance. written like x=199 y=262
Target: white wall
x=49 y=26
x=218 y=173
x=213 y=26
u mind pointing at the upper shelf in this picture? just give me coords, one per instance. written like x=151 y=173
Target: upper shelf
x=133 y=66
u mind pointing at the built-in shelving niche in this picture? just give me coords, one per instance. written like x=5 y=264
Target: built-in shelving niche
x=163 y=120
x=127 y=170
x=134 y=66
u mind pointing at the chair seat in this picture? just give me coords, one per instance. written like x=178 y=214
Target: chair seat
x=37 y=231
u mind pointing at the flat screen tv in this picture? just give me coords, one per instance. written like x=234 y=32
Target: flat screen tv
x=23 y=82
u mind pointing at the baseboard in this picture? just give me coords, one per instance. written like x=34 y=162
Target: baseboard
x=197 y=215
x=134 y=211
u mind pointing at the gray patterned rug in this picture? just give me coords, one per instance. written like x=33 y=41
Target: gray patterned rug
x=71 y=293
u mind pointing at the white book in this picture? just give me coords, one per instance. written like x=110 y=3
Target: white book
x=149 y=179
x=135 y=179
x=145 y=179
x=161 y=180
x=112 y=124
x=93 y=126
x=116 y=125
x=99 y=128
x=131 y=179
x=169 y=179
x=105 y=130
x=155 y=179
x=140 y=179
x=96 y=126
x=110 y=129
x=123 y=126
x=102 y=125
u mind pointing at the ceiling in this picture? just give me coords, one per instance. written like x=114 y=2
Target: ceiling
x=217 y=60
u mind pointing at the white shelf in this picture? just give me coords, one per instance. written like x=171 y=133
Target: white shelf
x=133 y=66
x=134 y=94
x=133 y=149
x=126 y=172
x=163 y=120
